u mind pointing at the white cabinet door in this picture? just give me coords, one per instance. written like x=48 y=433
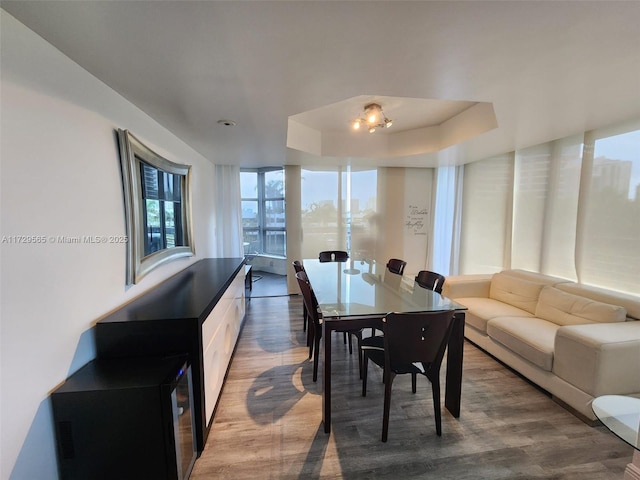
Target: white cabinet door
x=219 y=336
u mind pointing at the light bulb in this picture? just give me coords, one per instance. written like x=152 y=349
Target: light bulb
x=356 y=124
x=372 y=129
x=373 y=117
x=388 y=123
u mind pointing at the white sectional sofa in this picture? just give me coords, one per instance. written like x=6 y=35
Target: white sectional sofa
x=576 y=342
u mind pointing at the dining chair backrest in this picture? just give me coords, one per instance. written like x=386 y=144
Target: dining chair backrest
x=333 y=256
x=416 y=337
x=430 y=280
x=308 y=297
x=395 y=265
x=298 y=267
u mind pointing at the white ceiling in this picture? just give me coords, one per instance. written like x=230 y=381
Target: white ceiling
x=550 y=68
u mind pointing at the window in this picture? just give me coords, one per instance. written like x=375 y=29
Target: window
x=156 y=194
x=339 y=211
x=162 y=209
x=263 y=207
x=611 y=235
x=569 y=208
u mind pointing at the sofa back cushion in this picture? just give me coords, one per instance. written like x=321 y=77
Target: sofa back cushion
x=515 y=291
x=565 y=308
x=631 y=303
x=535 y=277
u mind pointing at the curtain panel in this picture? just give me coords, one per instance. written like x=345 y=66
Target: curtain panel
x=228 y=212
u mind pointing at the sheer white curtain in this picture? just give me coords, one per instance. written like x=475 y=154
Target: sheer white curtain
x=339 y=211
x=360 y=197
x=486 y=215
x=610 y=233
x=293 y=214
x=546 y=188
x=557 y=256
x=228 y=211
x=568 y=208
x=446 y=225
x=322 y=211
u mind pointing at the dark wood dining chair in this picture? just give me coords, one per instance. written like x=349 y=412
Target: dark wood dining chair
x=430 y=280
x=315 y=324
x=298 y=267
x=333 y=256
x=414 y=343
x=336 y=256
x=395 y=265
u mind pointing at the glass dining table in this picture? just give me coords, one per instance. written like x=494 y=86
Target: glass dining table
x=358 y=294
x=621 y=415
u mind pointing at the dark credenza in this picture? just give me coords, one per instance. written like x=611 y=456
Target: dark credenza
x=198 y=311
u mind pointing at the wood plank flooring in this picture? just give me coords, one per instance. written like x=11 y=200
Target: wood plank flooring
x=268 y=422
x=268 y=284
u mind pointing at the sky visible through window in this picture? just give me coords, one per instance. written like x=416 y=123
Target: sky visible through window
x=623 y=147
x=324 y=185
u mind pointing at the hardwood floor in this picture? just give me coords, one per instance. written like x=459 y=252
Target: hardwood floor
x=268 y=422
x=268 y=285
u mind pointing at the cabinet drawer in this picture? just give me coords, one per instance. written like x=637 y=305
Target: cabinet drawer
x=214 y=320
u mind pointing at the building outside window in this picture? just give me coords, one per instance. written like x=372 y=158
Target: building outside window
x=162 y=211
x=263 y=211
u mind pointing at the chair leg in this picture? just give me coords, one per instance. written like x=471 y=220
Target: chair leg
x=365 y=364
x=350 y=345
x=359 y=338
x=304 y=320
x=387 y=405
x=435 y=387
x=316 y=355
x=311 y=334
x=344 y=337
x=413 y=382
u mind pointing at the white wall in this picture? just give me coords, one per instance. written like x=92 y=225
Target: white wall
x=60 y=177
x=404 y=199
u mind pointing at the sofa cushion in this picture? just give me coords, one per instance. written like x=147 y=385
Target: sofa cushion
x=567 y=309
x=531 y=338
x=631 y=303
x=515 y=291
x=482 y=310
x=599 y=359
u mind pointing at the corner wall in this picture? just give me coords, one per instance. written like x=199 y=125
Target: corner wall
x=60 y=177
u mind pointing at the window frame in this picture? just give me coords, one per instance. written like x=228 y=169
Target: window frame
x=133 y=153
x=262 y=200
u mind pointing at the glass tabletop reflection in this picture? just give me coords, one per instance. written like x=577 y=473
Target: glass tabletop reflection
x=363 y=288
x=621 y=415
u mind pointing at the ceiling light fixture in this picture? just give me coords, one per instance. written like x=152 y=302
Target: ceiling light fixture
x=373 y=118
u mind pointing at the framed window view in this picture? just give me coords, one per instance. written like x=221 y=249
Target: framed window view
x=157 y=207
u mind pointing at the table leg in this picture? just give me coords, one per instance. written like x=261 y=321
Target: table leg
x=455 y=351
x=633 y=469
x=326 y=378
